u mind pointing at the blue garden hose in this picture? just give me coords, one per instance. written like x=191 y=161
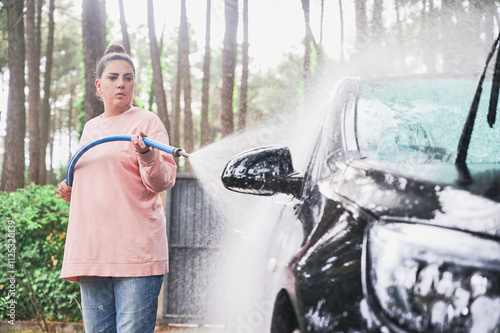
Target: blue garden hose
x=125 y=137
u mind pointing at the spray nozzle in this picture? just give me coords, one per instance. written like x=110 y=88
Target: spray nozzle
x=178 y=152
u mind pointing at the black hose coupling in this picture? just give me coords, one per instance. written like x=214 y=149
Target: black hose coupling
x=178 y=152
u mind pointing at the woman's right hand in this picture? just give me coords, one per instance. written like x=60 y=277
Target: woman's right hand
x=64 y=190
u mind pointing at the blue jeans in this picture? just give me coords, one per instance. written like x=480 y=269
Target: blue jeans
x=120 y=304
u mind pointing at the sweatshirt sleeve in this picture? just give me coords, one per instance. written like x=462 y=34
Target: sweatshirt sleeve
x=157 y=168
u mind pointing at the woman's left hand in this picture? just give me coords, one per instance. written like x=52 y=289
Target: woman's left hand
x=139 y=144
x=64 y=190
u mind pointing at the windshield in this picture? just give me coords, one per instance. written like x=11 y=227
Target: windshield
x=420 y=121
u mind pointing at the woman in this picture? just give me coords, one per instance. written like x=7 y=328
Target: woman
x=116 y=244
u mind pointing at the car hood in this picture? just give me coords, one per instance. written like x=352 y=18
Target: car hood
x=436 y=194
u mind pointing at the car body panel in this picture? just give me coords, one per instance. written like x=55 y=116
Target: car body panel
x=432 y=193
x=319 y=255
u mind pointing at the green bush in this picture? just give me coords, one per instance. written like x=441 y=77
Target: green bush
x=35 y=218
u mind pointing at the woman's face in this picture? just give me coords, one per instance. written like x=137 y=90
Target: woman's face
x=116 y=85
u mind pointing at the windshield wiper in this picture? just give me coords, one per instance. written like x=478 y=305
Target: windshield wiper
x=463 y=145
x=495 y=88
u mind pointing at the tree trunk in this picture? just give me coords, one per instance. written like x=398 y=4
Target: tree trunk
x=321 y=22
x=307 y=45
x=151 y=94
x=427 y=36
x=243 y=105
x=33 y=57
x=94 y=45
x=70 y=121
x=205 y=89
x=361 y=22
x=38 y=34
x=400 y=36
x=159 y=91
x=123 y=24
x=52 y=130
x=38 y=31
x=341 y=12
x=13 y=162
x=45 y=114
x=103 y=27
x=50 y=144
x=377 y=24
x=186 y=80
x=59 y=126
x=308 y=42
x=177 y=97
x=177 y=100
x=229 y=53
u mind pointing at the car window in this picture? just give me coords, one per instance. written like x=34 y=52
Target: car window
x=421 y=121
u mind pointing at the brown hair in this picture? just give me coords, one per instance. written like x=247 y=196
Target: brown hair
x=113 y=52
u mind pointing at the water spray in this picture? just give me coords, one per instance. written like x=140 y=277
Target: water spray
x=177 y=152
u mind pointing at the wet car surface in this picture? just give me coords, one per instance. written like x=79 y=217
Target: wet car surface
x=384 y=231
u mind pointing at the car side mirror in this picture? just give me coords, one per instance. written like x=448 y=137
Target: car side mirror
x=262 y=171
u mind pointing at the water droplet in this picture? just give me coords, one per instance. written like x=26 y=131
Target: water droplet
x=384 y=329
x=272 y=264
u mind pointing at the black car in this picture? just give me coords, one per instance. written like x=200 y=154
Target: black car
x=395 y=234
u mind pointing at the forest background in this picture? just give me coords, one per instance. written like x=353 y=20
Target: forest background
x=206 y=80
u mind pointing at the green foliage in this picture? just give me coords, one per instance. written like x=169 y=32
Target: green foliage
x=277 y=91
x=36 y=218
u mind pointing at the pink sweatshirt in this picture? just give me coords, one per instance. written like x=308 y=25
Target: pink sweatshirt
x=116 y=221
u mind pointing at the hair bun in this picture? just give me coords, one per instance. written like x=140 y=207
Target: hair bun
x=115 y=48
